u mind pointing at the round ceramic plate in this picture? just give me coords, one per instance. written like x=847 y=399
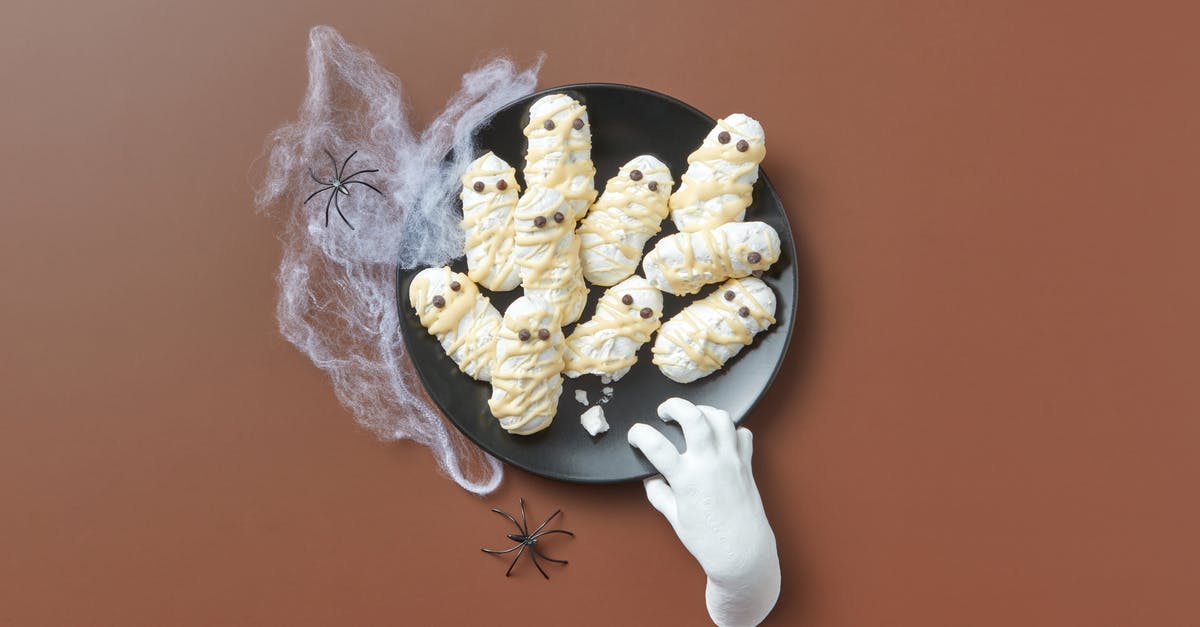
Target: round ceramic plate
x=626 y=121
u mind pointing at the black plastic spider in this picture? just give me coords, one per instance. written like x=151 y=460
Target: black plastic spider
x=525 y=539
x=338 y=185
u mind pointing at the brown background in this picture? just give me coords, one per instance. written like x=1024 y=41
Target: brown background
x=996 y=421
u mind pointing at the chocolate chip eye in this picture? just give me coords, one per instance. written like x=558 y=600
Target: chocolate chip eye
x=502 y=185
x=539 y=221
x=478 y=186
x=438 y=301
x=744 y=312
x=559 y=217
x=635 y=175
x=742 y=145
x=543 y=334
x=653 y=185
x=578 y=123
x=523 y=335
x=646 y=312
x=723 y=137
x=729 y=295
x=754 y=257
x=627 y=300
x=455 y=286
x=549 y=125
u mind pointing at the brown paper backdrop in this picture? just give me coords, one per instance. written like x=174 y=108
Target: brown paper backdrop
x=995 y=423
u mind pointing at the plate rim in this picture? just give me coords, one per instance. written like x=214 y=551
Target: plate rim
x=791 y=329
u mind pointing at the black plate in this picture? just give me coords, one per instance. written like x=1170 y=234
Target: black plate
x=626 y=121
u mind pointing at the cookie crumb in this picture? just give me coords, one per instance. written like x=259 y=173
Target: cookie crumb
x=593 y=420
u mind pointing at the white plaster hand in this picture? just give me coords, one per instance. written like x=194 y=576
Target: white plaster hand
x=708 y=495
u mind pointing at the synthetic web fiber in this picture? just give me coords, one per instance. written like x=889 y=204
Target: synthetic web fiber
x=337 y=300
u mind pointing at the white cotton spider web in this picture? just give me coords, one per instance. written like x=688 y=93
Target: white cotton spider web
x=337 y=299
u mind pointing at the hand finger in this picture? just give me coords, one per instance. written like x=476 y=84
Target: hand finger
x=745 y=444
x=656 y=447
x=661 y=497
x=696 y=430
x=722 y=426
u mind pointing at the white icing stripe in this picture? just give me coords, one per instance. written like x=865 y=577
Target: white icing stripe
x=699 y=340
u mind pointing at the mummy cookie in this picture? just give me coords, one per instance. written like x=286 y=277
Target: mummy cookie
x=526 y=378
x=607 y=345
x=489 y=196
x=560 y=151
x=685 y=262
x=547 y=252
x=700 y=339
x=720 y=177
x=629 y=212
x=463 y=320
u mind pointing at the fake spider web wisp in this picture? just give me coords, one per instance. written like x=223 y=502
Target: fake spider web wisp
x=337 y=285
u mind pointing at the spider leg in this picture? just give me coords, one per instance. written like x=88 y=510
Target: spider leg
x=337 y=206
x=524 y=524
x=514 y=562
x=538 y=535
x=363 y=183
x=547 y=558
x=314 y=177
x=556 y=513
x=345 y=163
x=327 y=203
x=509 y=516
x=310 y=197
x=510 y=550
x=533 y=555
x=357 y=173
x=332 y=162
